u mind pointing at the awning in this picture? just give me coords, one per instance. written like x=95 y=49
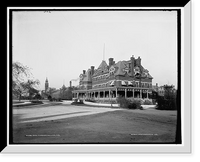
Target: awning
x=123 y=82
x=112 y=83
x=130 y=83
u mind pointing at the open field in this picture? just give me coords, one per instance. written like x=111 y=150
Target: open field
x=67 y=123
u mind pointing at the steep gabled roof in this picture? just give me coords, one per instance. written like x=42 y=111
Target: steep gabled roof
x=103 y=67
x=122 y=68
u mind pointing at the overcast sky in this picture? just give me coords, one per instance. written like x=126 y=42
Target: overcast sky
x=61 y=44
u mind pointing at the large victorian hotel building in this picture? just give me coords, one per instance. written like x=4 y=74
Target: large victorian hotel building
x=124 y=78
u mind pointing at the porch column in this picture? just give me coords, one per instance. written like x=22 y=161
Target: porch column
x=125 y=93
x=140 y=93
x=147 y=94
x=116 y=92
x=98 y=94
x=104 y=94
x=109 y=94
x=133 y=93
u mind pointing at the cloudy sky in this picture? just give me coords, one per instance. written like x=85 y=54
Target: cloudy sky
x=61 y=44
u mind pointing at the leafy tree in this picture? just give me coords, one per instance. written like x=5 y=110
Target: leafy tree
x=30 y=86
x=50 y=91
x=19 y=74
x=17 y=90
x=170 y=92
x=168 y=101
x=38 y=96
x=68 y=94
x=22 y=82
x=49 y=98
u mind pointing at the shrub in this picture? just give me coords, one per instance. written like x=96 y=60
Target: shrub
x=147 y=102
x=168 y=101
x=134 y=103
x=154 y=102
x=123 y=103
x=129 y=103
x=37 y=96
x=38 y=102
x=50 y=98
x=106 y=101
x=75 y=99
x=166 y=104
x=59 y=99
x=90 y=100
x=113 y=102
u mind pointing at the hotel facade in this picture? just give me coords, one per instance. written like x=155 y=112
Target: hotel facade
x=127 y=79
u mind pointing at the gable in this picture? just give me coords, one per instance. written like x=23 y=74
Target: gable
x=123 y=68
x=103 y=68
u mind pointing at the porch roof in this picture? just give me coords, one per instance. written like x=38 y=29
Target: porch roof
x=111 y=88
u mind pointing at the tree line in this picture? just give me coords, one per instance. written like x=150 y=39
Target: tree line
x=25 y=87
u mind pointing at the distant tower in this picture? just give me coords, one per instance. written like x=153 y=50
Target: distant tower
x=70 y=84
x=46 y=85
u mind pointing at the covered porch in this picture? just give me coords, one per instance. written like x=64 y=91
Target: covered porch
x=112 y=93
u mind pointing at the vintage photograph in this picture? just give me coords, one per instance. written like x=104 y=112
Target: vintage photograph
x=95 y=76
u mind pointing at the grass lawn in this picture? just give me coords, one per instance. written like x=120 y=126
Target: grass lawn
x=123 y=126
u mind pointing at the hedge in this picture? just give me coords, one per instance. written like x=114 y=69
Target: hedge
x=166 y=104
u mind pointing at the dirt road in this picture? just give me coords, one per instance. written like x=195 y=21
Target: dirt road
x=56 y=124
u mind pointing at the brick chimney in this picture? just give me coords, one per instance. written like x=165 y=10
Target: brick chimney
x=111 y=62
x=132 y=65
x=138 y=61
x=92 y=70
x=70 y=84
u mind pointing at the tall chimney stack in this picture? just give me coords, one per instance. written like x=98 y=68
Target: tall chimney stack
x=83 y=71
x=70 y=84
x=111 y=62
x=132 y=65
x=138 y=61
x=92 y=70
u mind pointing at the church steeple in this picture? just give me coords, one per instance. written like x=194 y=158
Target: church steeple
x=46 y=85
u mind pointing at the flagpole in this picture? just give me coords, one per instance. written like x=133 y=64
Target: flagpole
x=104 y=52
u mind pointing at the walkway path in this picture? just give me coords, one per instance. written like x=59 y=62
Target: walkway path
x=63 y=111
